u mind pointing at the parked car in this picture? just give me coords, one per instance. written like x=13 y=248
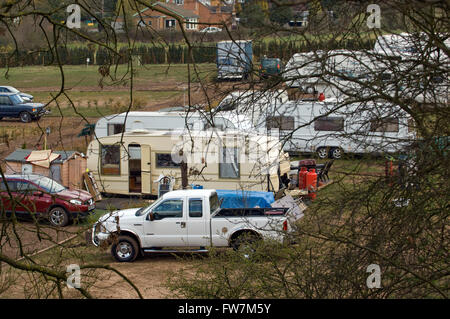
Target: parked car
x=10 y=89
x=13 y=105
x=31 y=193
x=270 y=67
x=211 y=30
x=187 y=219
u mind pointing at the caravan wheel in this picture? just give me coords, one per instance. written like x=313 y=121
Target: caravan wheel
x=335 y=153
x=322 y=152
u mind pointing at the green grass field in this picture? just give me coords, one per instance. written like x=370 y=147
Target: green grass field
x=151 y=84
x=88 y=76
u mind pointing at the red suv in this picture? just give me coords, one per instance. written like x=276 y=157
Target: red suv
x=44 y=197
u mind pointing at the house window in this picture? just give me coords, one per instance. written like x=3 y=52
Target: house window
x=179 y=2
x=170 y=23
x=191 y=24
x=110 y=160
x=280 y=122
x=115 y=129
x=229 y=163
x=165 y=160
x=329 y=124
x=389 y=124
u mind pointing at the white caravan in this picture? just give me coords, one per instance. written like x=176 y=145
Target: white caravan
x=330 y=129
x=331 y=72
x=249 y=104
x=150 y=121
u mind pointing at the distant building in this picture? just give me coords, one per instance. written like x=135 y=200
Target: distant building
x=191 y=12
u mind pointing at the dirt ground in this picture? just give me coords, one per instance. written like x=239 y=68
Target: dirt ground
x=149 y=273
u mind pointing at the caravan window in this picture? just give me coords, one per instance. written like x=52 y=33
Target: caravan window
x=229 y=163
x=329 y=124
x=165 y=160
x=280 y=122
x=388 y=124
x=114 y=128
x=110 y=161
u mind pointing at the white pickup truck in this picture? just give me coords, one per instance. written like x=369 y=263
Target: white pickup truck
x=186 y=220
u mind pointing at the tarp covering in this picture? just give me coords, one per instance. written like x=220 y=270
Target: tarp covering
x=42 y=158
x=244 y=199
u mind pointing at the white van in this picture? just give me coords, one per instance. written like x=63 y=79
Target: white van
x=330 y=129
x=138 y=121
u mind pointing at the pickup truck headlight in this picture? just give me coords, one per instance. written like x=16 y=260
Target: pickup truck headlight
x=102 y=228
x=76 y=202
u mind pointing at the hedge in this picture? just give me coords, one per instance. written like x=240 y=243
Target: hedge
x=174 y=53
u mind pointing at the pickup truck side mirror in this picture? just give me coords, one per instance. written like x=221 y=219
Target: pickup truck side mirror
x=151 y=216
x=38 y=193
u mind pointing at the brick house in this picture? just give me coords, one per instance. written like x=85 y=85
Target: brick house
x=158 y=20
x=190 y=11
x=210 y=11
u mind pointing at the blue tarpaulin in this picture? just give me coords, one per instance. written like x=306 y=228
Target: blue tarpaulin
x=244 y=199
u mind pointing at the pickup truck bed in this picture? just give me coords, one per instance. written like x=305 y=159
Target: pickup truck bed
x=248 y=212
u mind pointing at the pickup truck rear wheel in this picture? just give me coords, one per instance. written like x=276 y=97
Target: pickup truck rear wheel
x=125 y=249
x=244 y=244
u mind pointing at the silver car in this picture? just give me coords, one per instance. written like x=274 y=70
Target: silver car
x=10 y=89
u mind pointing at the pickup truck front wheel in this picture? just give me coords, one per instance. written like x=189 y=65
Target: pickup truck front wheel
x=125 y=249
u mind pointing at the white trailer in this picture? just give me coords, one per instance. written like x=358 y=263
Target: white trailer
x=335 y=73
x=331 y=129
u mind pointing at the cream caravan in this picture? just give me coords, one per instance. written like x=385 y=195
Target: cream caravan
x=133 y=163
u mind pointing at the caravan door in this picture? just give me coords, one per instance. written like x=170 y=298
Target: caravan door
x=146 y=165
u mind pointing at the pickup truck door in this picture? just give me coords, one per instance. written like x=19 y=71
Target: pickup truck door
x=168 y=229
x=196 y=224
